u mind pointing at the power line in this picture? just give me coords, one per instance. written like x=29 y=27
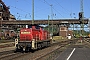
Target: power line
x=27 y=2
x=58 y=12
x=19 y=15
x=66 y=11
x=88 y=5
x=52 y=7
x=19 y=9
x=61 y=6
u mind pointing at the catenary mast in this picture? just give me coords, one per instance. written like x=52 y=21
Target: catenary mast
x=32 y=11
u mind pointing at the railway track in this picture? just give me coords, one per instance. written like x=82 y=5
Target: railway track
x=53 y=54
x=75 y=43
x=53 y=50
x=87 y=41
x=19 y=56
x=11 y=56
x=6 y=52
x=4 y=44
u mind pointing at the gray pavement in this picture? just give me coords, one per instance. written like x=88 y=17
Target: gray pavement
x=75 y=53
x=81 y=54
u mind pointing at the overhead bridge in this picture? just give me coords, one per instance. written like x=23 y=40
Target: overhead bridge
x=43 y=22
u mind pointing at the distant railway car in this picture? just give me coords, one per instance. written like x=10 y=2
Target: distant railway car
x=33 y=38
x=7 y=34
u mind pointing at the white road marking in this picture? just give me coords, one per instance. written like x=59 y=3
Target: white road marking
x=71 y=54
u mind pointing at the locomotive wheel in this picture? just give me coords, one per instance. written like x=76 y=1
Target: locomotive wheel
x=48 y=43
x=39 y=46
x=21 y=49
x=18 y=50
x=27 y=49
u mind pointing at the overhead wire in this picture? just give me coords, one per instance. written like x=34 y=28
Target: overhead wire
x=86 y=8
x=53 y=8
x=44 y=1
x=58 y=12
x=34 y=6
x=88 y=5
x=61 y=6
x=24 y=15
x=66 y=11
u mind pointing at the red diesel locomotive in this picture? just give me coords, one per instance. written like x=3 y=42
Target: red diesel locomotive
x=33 y=38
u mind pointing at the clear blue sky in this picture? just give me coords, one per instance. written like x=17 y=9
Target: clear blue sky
x=22 y=9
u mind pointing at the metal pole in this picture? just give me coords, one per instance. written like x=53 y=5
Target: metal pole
x=73 y=29
x=89 y=25
x=48 y=22
x=1 y=23
x=82 y=25
x=32 y=11
x=52 y=18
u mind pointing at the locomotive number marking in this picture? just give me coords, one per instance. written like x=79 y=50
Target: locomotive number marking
x=25 y=32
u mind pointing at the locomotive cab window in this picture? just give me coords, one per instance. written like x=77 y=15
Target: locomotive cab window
x=34 y=26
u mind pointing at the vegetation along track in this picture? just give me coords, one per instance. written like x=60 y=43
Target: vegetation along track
x=49 y=52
